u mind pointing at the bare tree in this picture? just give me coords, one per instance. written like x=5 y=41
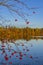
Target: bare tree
x=13 y=7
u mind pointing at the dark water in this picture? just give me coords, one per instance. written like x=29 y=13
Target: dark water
x=22 y=52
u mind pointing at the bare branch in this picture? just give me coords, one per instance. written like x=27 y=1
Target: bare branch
x=12 y=8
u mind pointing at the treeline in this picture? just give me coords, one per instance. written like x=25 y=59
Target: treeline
x=19 y=33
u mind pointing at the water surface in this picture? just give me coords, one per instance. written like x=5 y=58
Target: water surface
x=22 y=52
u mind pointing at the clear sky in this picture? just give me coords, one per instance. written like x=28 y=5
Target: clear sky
x=35 y=19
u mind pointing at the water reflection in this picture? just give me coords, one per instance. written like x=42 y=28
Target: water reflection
x=21 y=52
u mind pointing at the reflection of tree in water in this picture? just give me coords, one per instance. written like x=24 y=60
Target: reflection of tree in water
x=12 y=50
x=8 y=51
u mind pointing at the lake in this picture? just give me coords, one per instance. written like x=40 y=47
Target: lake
x=22 y=52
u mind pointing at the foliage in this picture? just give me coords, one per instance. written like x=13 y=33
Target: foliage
x=19 y=33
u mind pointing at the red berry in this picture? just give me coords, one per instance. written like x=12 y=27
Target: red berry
x=10 y=62
x=31 y=57
x=6 y=58
x=20 y=58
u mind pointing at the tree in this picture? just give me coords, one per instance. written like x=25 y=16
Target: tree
x=12 y=6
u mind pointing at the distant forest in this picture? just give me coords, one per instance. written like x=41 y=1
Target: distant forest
x=9 y=33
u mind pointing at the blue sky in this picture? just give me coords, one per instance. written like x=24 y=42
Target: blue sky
x=36 y=20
